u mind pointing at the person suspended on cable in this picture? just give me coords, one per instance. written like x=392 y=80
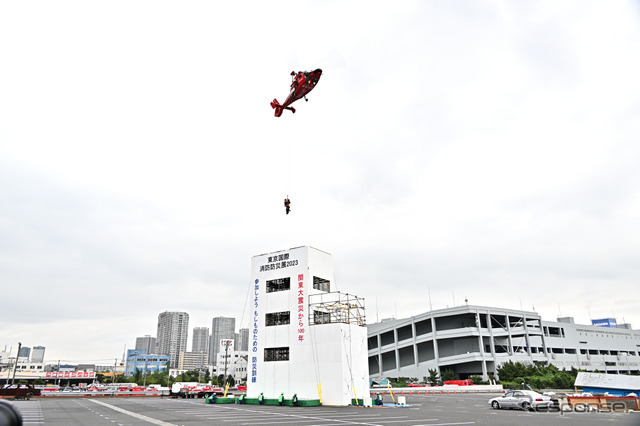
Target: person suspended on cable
x=287 y=205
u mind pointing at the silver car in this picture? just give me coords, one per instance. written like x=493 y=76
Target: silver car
x=521 y=399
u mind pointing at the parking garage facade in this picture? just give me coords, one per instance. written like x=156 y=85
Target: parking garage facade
x=476 y=340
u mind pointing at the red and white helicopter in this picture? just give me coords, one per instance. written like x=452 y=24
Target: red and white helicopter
x=302 y=83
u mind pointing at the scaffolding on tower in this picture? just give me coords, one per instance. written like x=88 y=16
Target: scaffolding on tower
x=336 y=307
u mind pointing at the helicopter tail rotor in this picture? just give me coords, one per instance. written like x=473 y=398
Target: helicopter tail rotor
x=278 y=109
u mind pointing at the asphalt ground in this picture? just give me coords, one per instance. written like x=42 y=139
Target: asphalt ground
x=467 y=409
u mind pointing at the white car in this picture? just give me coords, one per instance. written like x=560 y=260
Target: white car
x=522 y=399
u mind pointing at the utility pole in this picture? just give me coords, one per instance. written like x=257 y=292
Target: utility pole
x=145 y=371
x=58 y=374
x=15 y=366
x=226 y=351
x=114 y=370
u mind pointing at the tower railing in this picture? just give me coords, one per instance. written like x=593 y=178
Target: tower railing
x=336 y=307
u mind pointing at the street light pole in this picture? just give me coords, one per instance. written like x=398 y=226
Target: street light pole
x=15 y=366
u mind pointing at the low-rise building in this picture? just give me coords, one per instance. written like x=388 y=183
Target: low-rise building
x=147 y=363
x=193 y=361
x=240 y=369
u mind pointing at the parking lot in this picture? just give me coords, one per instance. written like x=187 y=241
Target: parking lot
x=421 y=410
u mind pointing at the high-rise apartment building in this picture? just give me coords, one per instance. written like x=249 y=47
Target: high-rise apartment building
x=221 y=328
x=200 y=340
x=146 y=343
x=37 y=354
x=24 y=353
x=173 y=329
x=243 y=343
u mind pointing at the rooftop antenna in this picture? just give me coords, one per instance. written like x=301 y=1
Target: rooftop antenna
x=377 y=319
x=466 y=300
x=396 y=303
x=589 y=310
x=454 y=298
x=559 y=311
x=520 y=303
x=429 y=291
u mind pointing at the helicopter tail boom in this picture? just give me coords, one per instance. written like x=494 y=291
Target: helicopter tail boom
x=279 y=108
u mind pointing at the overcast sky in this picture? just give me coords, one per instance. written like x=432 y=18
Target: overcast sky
x=479 y=149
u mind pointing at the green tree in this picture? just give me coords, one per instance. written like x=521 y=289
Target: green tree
x=194 y=375
x=448 y=375
x=214 y=381
x=477 y=380
x=510 y=370
x=433 y=378
x=398 y=381
x=512 y=375
x=231 y=380
x=158 y=378
x=188 y=376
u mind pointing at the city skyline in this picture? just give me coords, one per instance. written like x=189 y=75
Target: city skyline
x=148 y=343
x=243 y=335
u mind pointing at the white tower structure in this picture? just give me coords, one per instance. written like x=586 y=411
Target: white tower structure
x=305 y=337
